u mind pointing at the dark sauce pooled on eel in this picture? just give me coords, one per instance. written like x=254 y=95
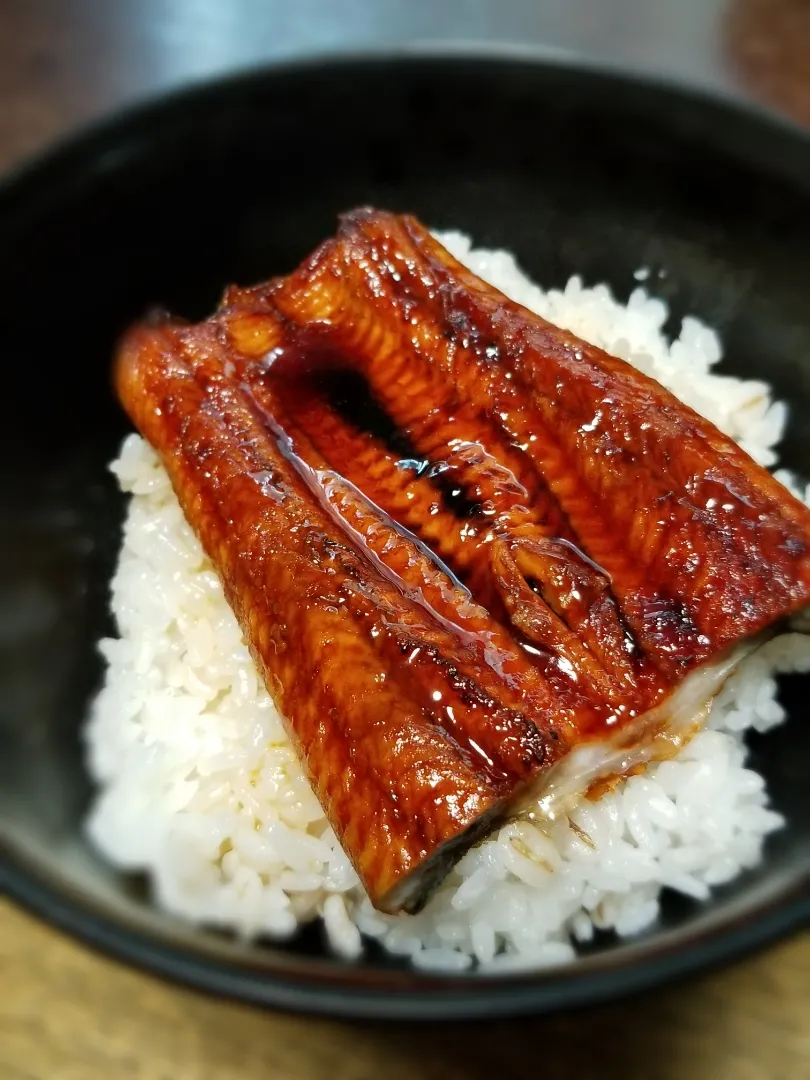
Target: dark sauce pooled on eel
x=481 y=565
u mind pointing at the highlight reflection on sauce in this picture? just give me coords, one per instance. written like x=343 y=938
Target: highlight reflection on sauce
x=464 y=546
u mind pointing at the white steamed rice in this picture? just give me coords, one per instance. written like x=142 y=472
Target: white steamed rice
x=200 y=788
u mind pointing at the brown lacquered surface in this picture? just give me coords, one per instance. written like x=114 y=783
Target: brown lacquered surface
x=768 y=46
x=74 y=1014
x=65 y=62
x=611 y=540
x=408 y=727
x=712 y=548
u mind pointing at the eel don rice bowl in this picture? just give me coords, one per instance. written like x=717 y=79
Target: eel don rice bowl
x=200 y=783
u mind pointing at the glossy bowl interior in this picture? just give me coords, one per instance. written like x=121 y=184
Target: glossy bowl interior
x=576 y=171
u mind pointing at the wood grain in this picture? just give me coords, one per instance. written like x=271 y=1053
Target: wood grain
x=66 y=1012
x=69 y=1013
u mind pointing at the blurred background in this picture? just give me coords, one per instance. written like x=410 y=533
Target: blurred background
x=65 y=1012
x=63 y=62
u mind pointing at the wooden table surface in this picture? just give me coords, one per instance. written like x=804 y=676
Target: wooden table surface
x=66 y=1012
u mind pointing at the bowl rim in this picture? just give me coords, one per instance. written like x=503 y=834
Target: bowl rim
x=408 y=995
x=133 y=113
x=381 y=994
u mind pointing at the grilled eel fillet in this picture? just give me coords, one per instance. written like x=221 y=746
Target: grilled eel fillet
x=540 y=592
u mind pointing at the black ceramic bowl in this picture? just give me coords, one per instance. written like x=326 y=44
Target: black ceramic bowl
x=575 y=171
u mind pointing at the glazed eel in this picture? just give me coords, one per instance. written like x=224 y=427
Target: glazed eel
x=480 y=563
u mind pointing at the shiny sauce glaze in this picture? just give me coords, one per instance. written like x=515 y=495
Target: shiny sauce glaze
x=459 y=541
